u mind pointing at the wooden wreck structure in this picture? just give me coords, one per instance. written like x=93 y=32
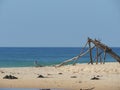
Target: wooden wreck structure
x=101 y=51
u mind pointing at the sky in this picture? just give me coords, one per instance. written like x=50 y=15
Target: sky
x=58 y=23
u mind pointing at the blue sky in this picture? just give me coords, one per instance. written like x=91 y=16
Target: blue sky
x=58 y=23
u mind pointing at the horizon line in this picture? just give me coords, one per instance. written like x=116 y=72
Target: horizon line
x=46 y=46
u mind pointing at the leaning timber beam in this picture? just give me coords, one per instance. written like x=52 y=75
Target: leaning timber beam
x=82 y=51
x=91 y=61
x=99 y=45
x=97 y=52
x=104 y=57
x=114 y=55
x=105 y=48
x=74 y=58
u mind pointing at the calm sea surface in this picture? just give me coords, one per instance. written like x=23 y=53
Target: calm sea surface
x=25 y=57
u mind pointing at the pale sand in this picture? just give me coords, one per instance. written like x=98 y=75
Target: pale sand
x=109 y=75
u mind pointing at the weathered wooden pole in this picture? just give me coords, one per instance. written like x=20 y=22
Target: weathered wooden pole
x=108 y=49
x=91 y=61
x=100 y=59
x=104 y=57
x=82 y=51
x=97 y=51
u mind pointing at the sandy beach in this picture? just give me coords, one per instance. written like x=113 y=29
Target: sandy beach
x=69 y=77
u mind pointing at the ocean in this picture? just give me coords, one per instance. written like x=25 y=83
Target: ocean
x=45 y=56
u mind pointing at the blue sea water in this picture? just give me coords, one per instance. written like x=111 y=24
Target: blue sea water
x=25 y=56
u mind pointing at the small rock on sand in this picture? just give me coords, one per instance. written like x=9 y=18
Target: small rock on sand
x=41 y=76
x=95 y=78
x=9 y=77
x=73 y=76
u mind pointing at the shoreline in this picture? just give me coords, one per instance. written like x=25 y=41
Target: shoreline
x=67 y=77
x=55 y=64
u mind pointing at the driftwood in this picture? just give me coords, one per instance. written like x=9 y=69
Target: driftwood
x=74 y=58
x=99 y=46
x=82 y=51
x=105 y=48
